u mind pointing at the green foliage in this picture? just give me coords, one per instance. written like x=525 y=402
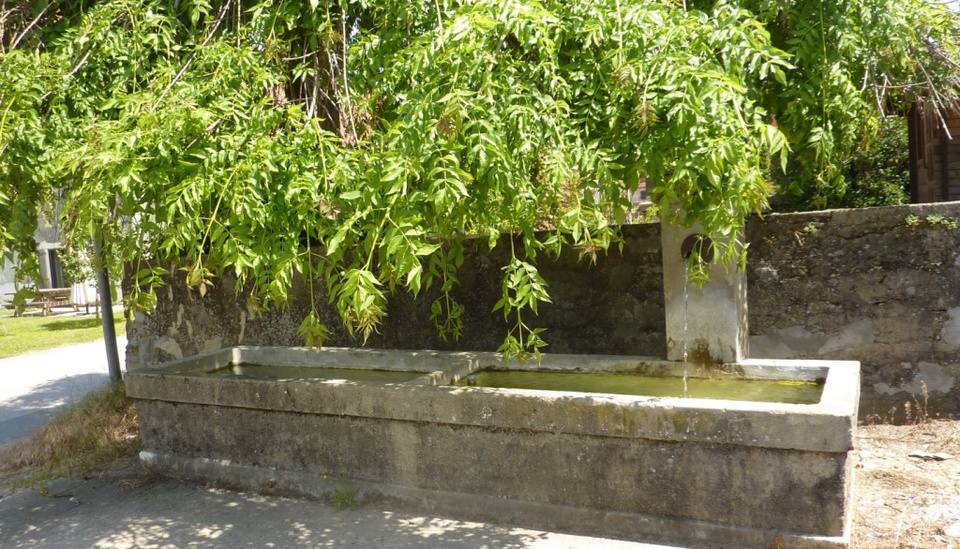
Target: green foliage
x=942 y=220
x=77 y=264
x=359 y=141
x=854 y=62
x=523 y=288
x=344 y=497
x=876 y=173
x=935 y=220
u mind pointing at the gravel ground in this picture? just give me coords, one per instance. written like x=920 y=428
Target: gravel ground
x=902 y=501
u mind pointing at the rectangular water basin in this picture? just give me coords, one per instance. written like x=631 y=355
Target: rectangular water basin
x=692 y=471
x=270 y=371
x=757 y=390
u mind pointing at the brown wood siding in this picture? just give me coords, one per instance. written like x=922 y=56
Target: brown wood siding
x=934 y=155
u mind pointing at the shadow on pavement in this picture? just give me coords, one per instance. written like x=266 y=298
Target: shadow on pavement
x=53 y=394
x=114 y=511
x=21 y=414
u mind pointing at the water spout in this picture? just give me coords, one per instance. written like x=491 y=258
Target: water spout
x=716 y=332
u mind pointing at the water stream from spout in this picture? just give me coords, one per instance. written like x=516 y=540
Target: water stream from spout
x=686 y=285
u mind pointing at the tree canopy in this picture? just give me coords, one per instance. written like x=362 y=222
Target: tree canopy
x=359 y=141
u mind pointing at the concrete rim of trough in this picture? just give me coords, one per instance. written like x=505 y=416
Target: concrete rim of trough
x=828 y=426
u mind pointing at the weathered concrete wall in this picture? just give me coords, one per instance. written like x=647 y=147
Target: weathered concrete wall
x=614 y=307
x=874 y=285
x=861 y=285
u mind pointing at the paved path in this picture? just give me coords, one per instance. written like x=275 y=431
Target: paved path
x=121 y=508
x=35 y=386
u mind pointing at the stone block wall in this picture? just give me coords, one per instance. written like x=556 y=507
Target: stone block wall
x=612 y=307
x=878 y=285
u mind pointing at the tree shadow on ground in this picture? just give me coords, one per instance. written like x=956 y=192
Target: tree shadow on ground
x=112 y=512
x=52 y=395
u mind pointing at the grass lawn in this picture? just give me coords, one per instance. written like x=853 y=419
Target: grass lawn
x=35 y=333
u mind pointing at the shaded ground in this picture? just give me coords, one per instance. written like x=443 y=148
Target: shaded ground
x=907 y=502
x=35 y=386
x=123 y=507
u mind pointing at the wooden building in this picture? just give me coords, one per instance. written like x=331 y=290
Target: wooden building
x=934 y=155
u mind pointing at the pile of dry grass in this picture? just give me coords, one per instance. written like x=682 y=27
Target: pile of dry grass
x=101 y=428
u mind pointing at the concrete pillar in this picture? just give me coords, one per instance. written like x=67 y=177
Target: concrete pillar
x=715 y=316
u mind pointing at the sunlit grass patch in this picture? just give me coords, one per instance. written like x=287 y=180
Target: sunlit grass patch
x=34 y=333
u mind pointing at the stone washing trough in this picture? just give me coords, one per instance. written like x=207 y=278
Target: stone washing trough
x=394 y=429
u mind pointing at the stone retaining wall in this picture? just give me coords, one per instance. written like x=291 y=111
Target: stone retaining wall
x=878 y=285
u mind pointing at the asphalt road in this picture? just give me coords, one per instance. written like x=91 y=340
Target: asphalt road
x=35 y=386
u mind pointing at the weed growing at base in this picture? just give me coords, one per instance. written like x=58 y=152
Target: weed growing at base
x=344 y=497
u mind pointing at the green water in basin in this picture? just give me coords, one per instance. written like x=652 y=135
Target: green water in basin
x=311 y=372
x=791 y=392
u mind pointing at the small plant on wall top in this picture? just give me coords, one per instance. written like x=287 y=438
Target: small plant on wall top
x=942 y=220
x=809 y=229
x=935 y=220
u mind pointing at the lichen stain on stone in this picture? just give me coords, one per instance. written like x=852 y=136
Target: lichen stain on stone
x=243 y=327
x=797 y=341
x=929 y=378
x=950 y=334
x=679 y=421
x=689 y=422
x=700 y=356
x=170 y=346
x=851 y=336
x=607 y=415
x=212 y=344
